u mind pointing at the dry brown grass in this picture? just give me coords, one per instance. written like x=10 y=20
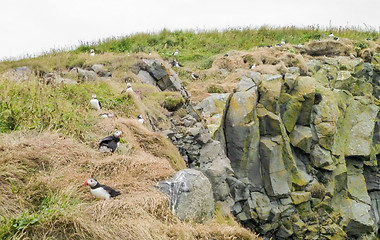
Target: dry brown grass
x=40 y=166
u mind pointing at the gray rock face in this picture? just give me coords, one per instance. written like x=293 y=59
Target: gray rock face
x=241 y=130
x=276 y=177
x=190 y=195
x=301 y=137
x=84 y=75
x=160 y=75
x=213 y=104
x=216 y=166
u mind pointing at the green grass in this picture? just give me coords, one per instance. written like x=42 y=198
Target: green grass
x=66 y=108
x=197 y=49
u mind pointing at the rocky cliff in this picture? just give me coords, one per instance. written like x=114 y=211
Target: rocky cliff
x=294 y=153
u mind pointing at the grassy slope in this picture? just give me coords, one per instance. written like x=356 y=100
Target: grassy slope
x=50 y=133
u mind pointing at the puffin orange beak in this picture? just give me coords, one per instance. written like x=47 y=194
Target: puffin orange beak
x=85 y=183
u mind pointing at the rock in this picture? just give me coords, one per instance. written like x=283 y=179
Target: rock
x=214 y=104
x=321 y=158
x=101 y=70
x=145 y=77
x=376 y=61
x=173 y=102
x=300 y=197
x=276 y=178
x=269 y=122
x=301 y=137
x=245 y=84
x=241 y=131
x=84 y=75
x=190 y=195
x=214 y=163
x=270 y=90
x=328 y=48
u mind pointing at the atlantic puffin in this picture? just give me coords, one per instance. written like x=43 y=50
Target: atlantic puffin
x=140 y=119
x=226 y=55
x=95 y=102
x=253 y=66
x=175 y=53
x=194 y=76
x=110 y=143
x=129 y=88
x=283 y=42
x=175 y=63
x=100 y=190
x=92 y=52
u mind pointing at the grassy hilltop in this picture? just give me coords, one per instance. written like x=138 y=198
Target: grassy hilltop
x=49 y=135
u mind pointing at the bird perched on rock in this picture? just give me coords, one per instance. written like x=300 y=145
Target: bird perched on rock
x=352 y=56
x=95 y=102
x=100 y=190
x=175 y=53
x=92 y=52
x=140 y=119
x=194 y=76
x=110 y=143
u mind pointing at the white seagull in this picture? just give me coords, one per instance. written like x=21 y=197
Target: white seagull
x=95 y=102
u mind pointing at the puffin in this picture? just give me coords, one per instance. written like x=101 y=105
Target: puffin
x=129 y=88
x=106 y=115
x=140 y=119
x=253 y=66
x=336 y=38
x=352 y=56
x=175 y=53
x=100 y=190
x=175 y=63
x=194 y=76
x=95 y=102
x=92 y=53
x=331 y=35
x=226 y=55
x=110 y=143
x=283 y=42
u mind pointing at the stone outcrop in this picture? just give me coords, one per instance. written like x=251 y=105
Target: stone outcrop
x=293 y=156
x=190 y=195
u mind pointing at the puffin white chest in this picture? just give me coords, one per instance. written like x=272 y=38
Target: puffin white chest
x=100 y=193
x=141 y=121
x=95 y=103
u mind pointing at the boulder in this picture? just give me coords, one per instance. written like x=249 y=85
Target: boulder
x=145 y=77
x=190 y=195
x=268 y=121
x=84 y=75
x=300 y=197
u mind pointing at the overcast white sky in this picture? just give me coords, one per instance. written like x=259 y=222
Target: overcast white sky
x=33 y=26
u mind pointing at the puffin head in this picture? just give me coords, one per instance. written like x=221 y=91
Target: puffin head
x=93 y=95
x=91 y=182
x=129 y=85
x=118 y=134
x=139 y=116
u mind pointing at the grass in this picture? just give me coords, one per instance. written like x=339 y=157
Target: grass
x=197 y=50
x=66 y=108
